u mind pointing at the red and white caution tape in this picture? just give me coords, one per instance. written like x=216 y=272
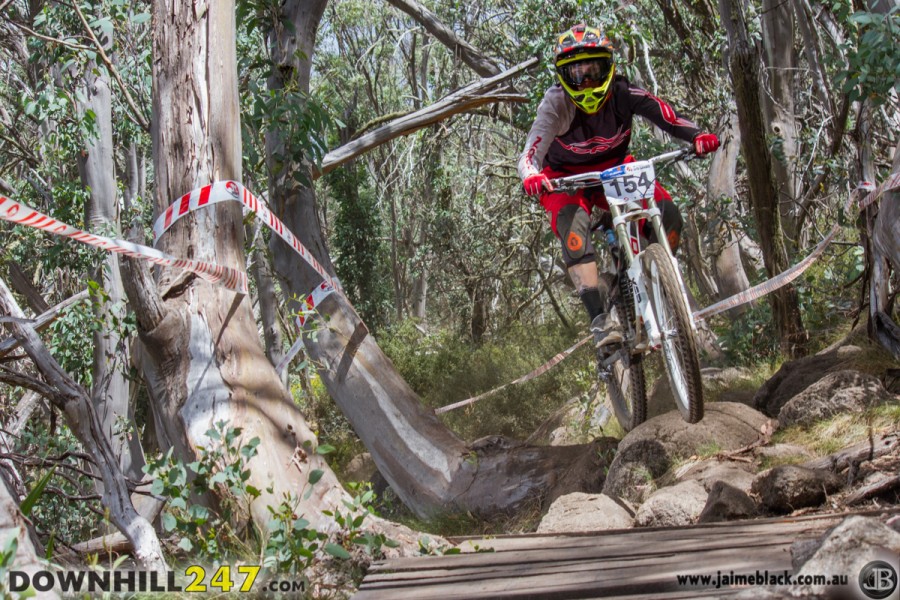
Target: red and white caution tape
x=770 y=285
x=539 y=371
x=232 y=191
x=18 y=212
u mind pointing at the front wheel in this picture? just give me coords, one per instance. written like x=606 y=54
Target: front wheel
x=679 y=346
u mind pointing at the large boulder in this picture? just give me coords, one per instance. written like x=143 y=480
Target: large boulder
x=713 y=470
x=847 y=550
x=796 y=375
x=672 y=506
x=786 y=488
x=834 y=394
x=585 y=512
x=655 y=446
x=728 y=384
x=726 y=503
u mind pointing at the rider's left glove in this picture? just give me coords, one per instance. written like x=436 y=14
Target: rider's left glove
x=535 y=184
x=704 y=143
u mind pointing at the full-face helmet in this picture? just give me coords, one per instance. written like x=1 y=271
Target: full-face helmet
x=584 y=64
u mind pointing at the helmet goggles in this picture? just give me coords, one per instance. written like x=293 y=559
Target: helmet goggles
x=587 y=72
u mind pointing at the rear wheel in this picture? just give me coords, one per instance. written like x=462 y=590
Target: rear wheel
x=626 y=384
x=679 y=346
x=627 y=392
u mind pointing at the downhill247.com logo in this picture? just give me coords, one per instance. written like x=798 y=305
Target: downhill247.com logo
x=195 y=578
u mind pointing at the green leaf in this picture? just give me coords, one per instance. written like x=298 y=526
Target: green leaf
x=168 y=522
x=140 y=18
x=325 y=449
x=315 y=476
x=35 y=494
x=186 y=544
x=336 y=551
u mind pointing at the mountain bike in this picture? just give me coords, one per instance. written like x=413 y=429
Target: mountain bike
x=648 y=294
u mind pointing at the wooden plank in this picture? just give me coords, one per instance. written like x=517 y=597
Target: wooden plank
x=592 y=580
x=598 y=552
x=674 y=564
x=632 y=542
x=621 y=563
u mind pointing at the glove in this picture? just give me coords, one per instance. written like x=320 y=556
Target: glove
x=535 y=184
x=704 y=143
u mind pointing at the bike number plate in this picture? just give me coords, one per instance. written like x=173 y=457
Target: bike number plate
x=629 y=182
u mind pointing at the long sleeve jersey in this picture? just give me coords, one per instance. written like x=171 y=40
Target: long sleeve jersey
x=562 y=136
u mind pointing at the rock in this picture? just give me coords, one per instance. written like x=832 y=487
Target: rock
x=585 y=512
x=725 y=503
x=836 y=393
x=711 y=471
x=716 y=382
x=360 y=468
x=651 y=449
x=782 y=454
x=672 y=506
x=846 y=550
x=796 y=375
x=788 y=487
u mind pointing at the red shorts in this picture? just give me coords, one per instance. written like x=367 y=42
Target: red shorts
x=587 y=199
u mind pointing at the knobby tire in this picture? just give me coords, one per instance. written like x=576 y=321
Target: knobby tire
x=667 y=300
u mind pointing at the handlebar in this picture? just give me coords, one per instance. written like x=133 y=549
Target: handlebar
x=592 y=178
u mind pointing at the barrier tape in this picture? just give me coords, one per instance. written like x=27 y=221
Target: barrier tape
x=770 y=285
x=232 y=191
x=18 y=212
x=220 y=191
x=874 y=194
x=539 y=371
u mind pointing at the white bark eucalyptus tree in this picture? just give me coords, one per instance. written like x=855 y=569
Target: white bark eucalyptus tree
x=204 y=362
x=430 y=468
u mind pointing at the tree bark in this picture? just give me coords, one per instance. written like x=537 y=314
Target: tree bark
x=203 y=361
x=778 y=101
x=728 y=270
x=110 y=391
x=744 y=67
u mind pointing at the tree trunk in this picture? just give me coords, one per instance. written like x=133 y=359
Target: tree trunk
x=110 y=391
x=203 y=361
x=778 y=101
x=268 y=301
x=428 y=466
x=728 y=270
x=744 y=66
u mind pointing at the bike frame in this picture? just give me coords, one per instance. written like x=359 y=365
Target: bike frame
x=623 y=213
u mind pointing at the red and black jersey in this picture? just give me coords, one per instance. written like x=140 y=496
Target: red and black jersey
x=563 y=137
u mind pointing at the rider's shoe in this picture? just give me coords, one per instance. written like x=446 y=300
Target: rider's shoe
x=606 y=331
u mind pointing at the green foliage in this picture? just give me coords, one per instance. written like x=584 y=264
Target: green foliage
x=360 y=256
x=444 y=368
x=207 y=532
x=873 y=62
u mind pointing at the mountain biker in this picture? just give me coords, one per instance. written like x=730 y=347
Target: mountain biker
x=584 y=124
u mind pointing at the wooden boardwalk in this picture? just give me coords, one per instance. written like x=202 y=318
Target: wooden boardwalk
x=630 y=563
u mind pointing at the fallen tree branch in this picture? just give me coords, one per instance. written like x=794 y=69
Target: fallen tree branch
x=471 y=96
x=873 y=489
x=466 y=52
x=847 y=457
x=75 y=404
x=44 y=320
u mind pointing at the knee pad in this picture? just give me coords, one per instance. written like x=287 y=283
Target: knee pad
x=574 y=227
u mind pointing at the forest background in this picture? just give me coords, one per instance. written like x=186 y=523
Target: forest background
x=453 y=271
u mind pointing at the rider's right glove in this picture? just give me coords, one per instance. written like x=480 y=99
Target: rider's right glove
x=704 y=143
x=535 y=184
